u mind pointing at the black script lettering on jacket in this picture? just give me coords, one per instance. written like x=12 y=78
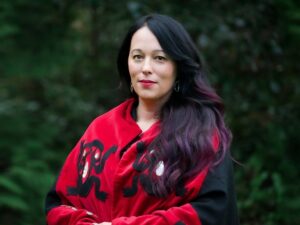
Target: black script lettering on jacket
x=91 y=158
x=141 y=164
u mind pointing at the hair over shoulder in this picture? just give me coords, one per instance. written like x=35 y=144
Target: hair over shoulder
x=194 y=114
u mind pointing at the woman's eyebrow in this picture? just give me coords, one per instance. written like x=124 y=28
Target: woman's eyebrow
x=136 y=50
x=159 y=50
x=139 y=51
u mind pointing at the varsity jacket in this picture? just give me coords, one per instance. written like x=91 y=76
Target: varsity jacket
x=104 y=178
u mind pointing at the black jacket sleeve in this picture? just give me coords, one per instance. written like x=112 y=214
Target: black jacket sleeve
x=216 y=202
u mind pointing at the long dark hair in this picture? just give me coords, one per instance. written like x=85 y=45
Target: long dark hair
x=192 y=117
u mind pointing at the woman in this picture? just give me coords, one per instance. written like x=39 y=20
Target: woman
x=161 y=157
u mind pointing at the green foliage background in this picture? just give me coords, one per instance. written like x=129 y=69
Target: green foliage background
x=57 y=72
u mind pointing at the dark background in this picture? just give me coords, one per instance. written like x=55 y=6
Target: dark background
x=58 y=72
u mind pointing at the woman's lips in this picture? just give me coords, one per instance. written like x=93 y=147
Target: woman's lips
x=147 y=83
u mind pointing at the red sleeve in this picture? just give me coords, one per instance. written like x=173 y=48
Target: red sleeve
x=67 y=215
x=182 y=215
x=60 y=208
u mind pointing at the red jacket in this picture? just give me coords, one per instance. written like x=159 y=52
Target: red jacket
x=104 y=178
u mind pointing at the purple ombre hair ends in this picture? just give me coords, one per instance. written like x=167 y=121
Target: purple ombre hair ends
x=191 y=119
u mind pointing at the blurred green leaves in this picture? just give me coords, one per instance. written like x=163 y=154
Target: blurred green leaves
x=58 y=72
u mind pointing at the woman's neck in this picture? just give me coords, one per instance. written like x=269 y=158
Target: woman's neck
x=147 y=114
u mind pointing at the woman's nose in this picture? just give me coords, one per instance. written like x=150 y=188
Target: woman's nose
x=147 y=66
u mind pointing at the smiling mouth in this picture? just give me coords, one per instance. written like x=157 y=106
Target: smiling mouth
x=147 y=81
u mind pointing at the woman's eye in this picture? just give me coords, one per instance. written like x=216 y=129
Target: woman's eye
x=137 y=57
x=160 y=58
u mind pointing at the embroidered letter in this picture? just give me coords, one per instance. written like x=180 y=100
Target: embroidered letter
x=91 y=158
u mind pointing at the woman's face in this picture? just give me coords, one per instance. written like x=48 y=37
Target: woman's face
x=151 y=70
